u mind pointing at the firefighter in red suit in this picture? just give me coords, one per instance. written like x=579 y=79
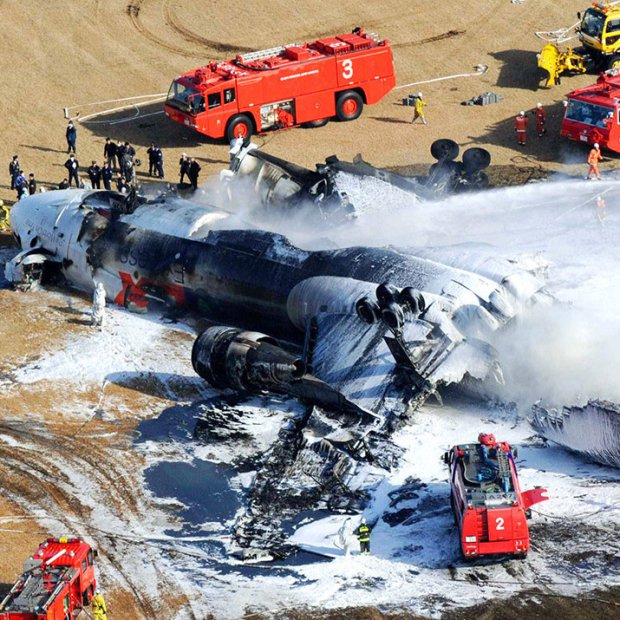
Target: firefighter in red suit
x=593 y=158
x=541 y=117
x=521 y=127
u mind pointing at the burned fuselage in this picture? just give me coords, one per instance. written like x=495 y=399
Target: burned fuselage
x=252 y=279
x=365 y=334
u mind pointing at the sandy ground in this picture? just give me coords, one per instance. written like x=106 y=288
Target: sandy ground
x=67 y=53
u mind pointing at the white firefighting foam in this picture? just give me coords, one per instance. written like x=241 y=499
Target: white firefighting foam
x=415 y=563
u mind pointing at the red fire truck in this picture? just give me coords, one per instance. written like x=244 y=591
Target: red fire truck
x=593 y=114
x=57 y=582
x=284 y=86
x=489 y=506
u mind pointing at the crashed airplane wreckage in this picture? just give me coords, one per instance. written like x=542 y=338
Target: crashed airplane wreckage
x=284 y=185
x=592 y=430
x=365 y=334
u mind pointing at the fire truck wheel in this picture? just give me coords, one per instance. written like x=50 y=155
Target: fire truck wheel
x=349 y=105
x=614 y=63
x=320 y=123
x=239 y=125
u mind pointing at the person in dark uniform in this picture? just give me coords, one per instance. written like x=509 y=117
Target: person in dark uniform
x=126 y=161
x=121 y=184
x=107 y=174
x=64 y=184
x=193 y=172
x=120 y=154
x=21 y=185
x=72 y=165
x=109 y=153
x=130 y=150
x=152 y=153
x=363 y=536
x=159 y=162
x=14 y=170
x=184 y=167
x=71 y=134
x=32 y=184
x=94 y=174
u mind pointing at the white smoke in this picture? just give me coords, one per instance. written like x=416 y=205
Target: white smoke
x=566 y=353
x=559 y=354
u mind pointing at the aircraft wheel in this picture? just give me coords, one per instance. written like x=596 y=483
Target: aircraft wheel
x=386 y=294
x=444 y=149
x=412 y=298
x=239 y=125
x=476 y=159
x=349 y=105
x=393 y=316
x=368 y=310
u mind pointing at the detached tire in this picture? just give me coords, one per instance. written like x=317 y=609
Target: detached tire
x=239 y=125
x=349 y=105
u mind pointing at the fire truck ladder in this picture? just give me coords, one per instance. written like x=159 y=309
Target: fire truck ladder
x=268 y=53
x=503 y=469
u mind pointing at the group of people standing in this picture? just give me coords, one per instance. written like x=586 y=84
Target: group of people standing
x=521 y=123
x=22 y=185
x=119 y=165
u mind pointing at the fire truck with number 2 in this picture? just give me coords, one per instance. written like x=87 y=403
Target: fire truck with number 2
x=57 y=583
x=284 y=86
x=489 y=506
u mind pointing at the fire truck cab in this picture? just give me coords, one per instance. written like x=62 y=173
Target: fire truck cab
x=593 y=113
x=489 y=506
x=284 y=86
x=57 y=583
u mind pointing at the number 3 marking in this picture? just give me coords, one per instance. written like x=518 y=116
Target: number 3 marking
x=347 y=69
x=499 y=523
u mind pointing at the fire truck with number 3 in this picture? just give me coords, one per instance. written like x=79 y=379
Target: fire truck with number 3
x=489 y=506
x=284 y=86
x=57 y=583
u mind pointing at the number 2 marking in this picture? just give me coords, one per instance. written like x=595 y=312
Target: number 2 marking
x=347 y=69
x=499 y=523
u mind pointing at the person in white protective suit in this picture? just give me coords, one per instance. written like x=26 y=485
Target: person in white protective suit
x=98 y=309
x=236 y=144
x=344 y=536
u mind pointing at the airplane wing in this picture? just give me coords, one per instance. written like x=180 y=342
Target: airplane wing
x=387 y=375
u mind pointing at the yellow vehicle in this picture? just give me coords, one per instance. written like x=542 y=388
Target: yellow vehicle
x=599 y=33
x=4 y=217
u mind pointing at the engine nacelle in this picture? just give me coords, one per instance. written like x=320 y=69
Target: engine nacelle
x=227 y=357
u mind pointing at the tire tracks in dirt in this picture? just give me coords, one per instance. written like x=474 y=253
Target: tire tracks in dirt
x=218 y=46
x=134 y=8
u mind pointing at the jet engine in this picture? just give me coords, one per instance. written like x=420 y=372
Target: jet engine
x=227 y=357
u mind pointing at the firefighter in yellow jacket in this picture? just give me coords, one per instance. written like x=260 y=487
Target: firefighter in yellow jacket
x=98 y=607
x=363 y=536
x=419 y=109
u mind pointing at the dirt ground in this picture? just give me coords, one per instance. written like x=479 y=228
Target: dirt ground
x=71 y=54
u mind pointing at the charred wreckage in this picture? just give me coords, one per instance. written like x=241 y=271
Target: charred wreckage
x=362 y=335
